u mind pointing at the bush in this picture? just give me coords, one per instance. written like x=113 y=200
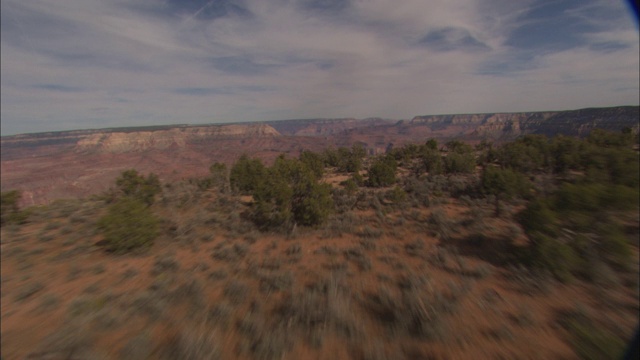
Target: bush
x=430 y=161
x=591 y=341
x=219 y=177
x=553 y=255
x=290 y=193
x=313 y=161
x=312 y=204
x=9 y=211
x=133 y=185
x=246 y=174
x=382 y=172
x=460 y=158
x=129 y=224
x=539 y=217
x=344 y=159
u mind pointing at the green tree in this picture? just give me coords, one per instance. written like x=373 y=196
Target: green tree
x=129 y=224
x=313 y=161
x=430 y=161
x=350 y=160
x=9 y=210
x=219 y=175
x=345 y=159
x=604 y=138
x=382 y=172
x=247 y=174
x=566 y=153
x=460 y=158
x=503 y=184
x=272 y=202
x=311 y=203
x=539 y=217
x=529 y=153
x=134 y=185
x=487 y=153
x=291 y=194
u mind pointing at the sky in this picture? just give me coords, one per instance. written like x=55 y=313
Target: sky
x=80 y=64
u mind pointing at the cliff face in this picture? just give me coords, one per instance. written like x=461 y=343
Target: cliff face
x=508 y=126
x=325 y=127
x=123 y=142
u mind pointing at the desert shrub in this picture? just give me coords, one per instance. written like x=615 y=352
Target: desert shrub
x=411 y=281
x=47 y=303
x=504 y=184
x=246 y=174
x=345 y=159
x=136 y=186
x=412 y=313
x=230 y=253
x=415 y=248
x=382 y=172
x=129 y=224
x=190 y=291
x=574 y=228
x=553 y=255
x=71 y=339
x=313 y=161
x=350 y=185
x=613 y=245
x=539 y=217
x=327 y=250
x=441 y=225
x=236 y=291
x=164 y=263
x=590 y=340
x=217 y=275
x=28 y=290
x=219 y=175
x=45 y=237
x=608 y=139
x=595 y=197
x=417 y=190
x=9 y=210
x=312 y=203
x=262 y=340
x=270 y=282
x=529 y=153
x=290 y=194
x=430 y=161
x=396 y=195
x=137 y=347
x=293 y=249
x=323 y=305
x=358 y=257
x=272 y=263
x=369 y=232
x=460 y=158
x=193 y=342
x=338 y=225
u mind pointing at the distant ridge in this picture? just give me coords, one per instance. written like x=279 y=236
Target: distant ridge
x=67 y=164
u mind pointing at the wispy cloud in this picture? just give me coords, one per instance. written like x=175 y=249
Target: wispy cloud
x=92 y=63
x=61 y=88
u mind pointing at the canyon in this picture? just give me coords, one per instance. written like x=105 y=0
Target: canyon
x=71 y=164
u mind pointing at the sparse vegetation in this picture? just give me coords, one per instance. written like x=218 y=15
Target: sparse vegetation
x=135 y=186
x=128 y=225
x=9 y=210
x=274 y=261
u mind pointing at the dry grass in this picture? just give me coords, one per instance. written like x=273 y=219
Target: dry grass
x=380 y=280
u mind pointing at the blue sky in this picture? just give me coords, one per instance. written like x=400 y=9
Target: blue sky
x=77 y=64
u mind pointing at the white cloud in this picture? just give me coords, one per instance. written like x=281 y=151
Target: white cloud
x=72 y=63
